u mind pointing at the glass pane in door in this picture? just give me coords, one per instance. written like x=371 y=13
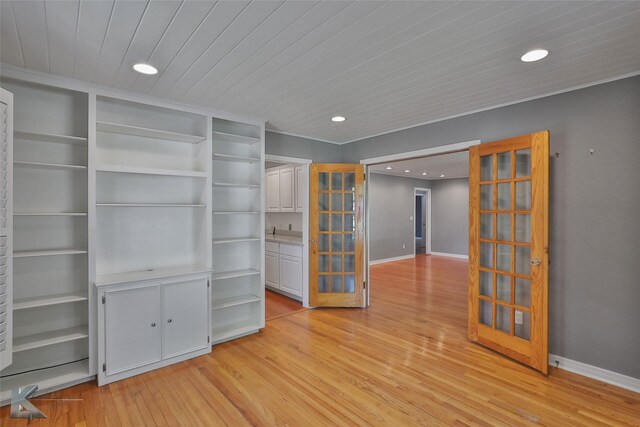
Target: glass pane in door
x=504 y=165
x=486 y=168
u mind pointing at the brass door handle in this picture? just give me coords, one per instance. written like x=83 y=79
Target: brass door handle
x=535 y=261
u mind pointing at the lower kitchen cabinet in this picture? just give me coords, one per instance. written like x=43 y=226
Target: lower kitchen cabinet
x=146 y=325
x=283 y=269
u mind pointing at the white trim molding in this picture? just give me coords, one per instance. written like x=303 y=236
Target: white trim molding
x=396 y=258
x=440 y=149
x=595 y=373
x=450 y=255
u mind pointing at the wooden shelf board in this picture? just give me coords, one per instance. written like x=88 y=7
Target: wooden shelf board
x=151 y=171
x=158 y=273
x=49 y=166
x=49 y=338
x=236 y=240
x=26 y=303
x=231 y=184
x=233 y=301
x=50 y=214
x=150 y=205
x=148 y=132
x=221 y=275
x=27 y=254
x=232 y=137
x=50 y=137
x=235 y=212
x=232 y=158
x=48 y=380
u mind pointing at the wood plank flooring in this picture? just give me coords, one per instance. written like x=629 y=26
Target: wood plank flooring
x=277 y=305
x=403 y=361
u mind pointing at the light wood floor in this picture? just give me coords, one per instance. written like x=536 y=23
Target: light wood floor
x=404 y=361
x=277 y=305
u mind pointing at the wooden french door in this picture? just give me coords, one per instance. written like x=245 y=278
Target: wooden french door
x=508 y=247
x=336 y=230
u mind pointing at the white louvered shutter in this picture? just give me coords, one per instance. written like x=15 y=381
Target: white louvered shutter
x=6 y=228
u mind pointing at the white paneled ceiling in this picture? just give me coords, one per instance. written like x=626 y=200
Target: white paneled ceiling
x=451 y=165
x=383 y=65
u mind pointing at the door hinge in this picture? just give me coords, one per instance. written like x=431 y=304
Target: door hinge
x=208 y=338
x=104 y=299
x=364 y=285
x=208 y=283
x=104 y=367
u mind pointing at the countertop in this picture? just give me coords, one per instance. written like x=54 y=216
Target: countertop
x=282 y=238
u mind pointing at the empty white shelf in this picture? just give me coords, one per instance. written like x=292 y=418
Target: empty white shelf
x=132 y=276
x=232 y=137
x=232 y=158
x=237 y=240
x=47 y=379
x=150 y=205
x=26 y=303
x=235 y=273
x=50 y=214
x=49 y=338
x=231 y=184
x=233 y=301
x=27 y=254
x=225 y=332
x=50 y=166
x=150 y=171
x=50 y=137
x=235 y=212
x=148 y=132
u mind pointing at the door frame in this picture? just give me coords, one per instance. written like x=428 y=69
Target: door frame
x=305 y=220
x=427 y=228
x=406 y=155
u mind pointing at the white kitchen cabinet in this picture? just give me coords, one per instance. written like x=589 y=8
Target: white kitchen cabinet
x=185 y=326
x=147 y=325
x=291 y=275
x=287 y=190
x=283 y=269
x=271 y=268
x=300 y=188
x=273 y=190
x=132 y=328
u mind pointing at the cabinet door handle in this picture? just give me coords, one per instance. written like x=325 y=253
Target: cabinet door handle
x=169 y=320
x=153 y=325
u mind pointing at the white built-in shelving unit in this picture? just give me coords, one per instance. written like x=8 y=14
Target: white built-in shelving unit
x=114 y=195
x=51 y=307
x=237 y=306
x=151 y=191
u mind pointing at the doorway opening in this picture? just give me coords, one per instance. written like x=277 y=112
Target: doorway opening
x=422 y=220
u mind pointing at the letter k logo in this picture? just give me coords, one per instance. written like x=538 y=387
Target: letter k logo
x=21 y=407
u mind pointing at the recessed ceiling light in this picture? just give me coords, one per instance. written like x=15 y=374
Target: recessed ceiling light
x=534 y=55
x=338 y=119
x=407 y=171
x=145 y=69
x=424 y=174
x=389 y=168
x=442 y=176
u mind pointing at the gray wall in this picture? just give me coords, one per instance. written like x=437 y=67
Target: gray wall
x=595 y=205
x=390 y=206
x=302 y=148
x=450 y=216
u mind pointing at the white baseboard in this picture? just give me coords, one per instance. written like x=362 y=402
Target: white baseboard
x=450 y=255
x=596 y=373
x=397 y=258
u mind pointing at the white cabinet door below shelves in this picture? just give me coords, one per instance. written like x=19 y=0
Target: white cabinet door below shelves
x=273 y=191
x=185 y=326
x=271 y=268
x=133 y=329
x=287 y=195
x=291 y=274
